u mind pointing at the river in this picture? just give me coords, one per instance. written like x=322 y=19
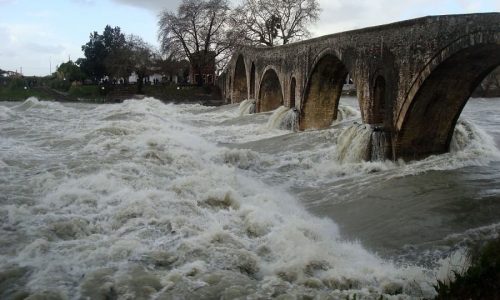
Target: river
x=143 y=200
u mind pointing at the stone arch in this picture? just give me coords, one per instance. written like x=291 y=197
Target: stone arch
x=428 y=116
x=270 y=92
x=240 y=91
x=293 y=92
x=252 y=81
x=323 y=90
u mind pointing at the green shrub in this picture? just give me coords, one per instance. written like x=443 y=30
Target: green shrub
x=84 y=91
x=22 y=94
x=481 y=280
x=61 y=85
x=16 y=84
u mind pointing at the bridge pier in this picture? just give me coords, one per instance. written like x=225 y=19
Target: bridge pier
x=323 y=90
x=240 y=91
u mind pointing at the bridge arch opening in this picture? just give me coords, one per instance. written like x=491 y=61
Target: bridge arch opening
x=270 y=93
x=428 y=124
x=293 y=88
x=252 y=81
x=323 y=91
x=240 y=91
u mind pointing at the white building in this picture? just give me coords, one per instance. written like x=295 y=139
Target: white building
x=159 y=78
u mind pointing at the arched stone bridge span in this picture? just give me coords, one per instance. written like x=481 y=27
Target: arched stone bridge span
x=413 y=78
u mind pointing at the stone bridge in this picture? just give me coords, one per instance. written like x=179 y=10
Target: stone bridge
x=412 y=78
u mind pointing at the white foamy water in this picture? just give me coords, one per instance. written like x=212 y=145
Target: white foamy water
x=284 y=118
x=352 y=144
x=247 y=107
x=142 y=200
x=346 y=113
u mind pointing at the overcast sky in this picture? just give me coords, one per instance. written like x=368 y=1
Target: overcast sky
x=36 y=35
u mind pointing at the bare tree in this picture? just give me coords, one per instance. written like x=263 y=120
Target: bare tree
x=118 y=63
x=199 y=30
x=142 y=58
x=272 y=22
x=173 y=67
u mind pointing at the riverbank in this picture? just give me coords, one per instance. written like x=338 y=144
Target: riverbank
x=481 y=280
x=115 y=94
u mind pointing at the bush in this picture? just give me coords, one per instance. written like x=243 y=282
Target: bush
x=61 y=85
x=481 y=280
x=84 y=91
x=16 y=84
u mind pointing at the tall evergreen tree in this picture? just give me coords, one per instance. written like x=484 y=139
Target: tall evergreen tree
x=99 y=49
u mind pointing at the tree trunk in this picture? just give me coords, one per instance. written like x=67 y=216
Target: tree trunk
x=199 y=79
x=140 y=83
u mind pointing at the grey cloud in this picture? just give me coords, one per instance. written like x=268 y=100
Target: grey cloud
x=345 y=12
x=157 y=6
x=154 y=6
x=337 y=15
x=343 y=15
x=7 y=53
x=10 y=47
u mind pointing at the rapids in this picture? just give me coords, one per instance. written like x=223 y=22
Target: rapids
x=143 y=200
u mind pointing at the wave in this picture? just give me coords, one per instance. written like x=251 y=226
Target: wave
x=35 y=103
x=467 y=137
x=6 y=113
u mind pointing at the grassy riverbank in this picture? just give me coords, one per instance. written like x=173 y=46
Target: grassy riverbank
x=112 y=94
x=21 y=94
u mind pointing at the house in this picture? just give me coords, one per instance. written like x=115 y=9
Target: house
x=202 y=64
x=155 y=78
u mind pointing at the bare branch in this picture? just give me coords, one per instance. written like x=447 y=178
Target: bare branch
x=268 y=22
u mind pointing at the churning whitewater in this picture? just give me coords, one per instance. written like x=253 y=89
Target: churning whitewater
x=142 y=200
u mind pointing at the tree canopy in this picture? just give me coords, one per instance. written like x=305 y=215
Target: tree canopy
x=274 y=22
x=99 y=49
x=70 y=71
x=203 y=29
x=199 y=31
x=143 y=58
